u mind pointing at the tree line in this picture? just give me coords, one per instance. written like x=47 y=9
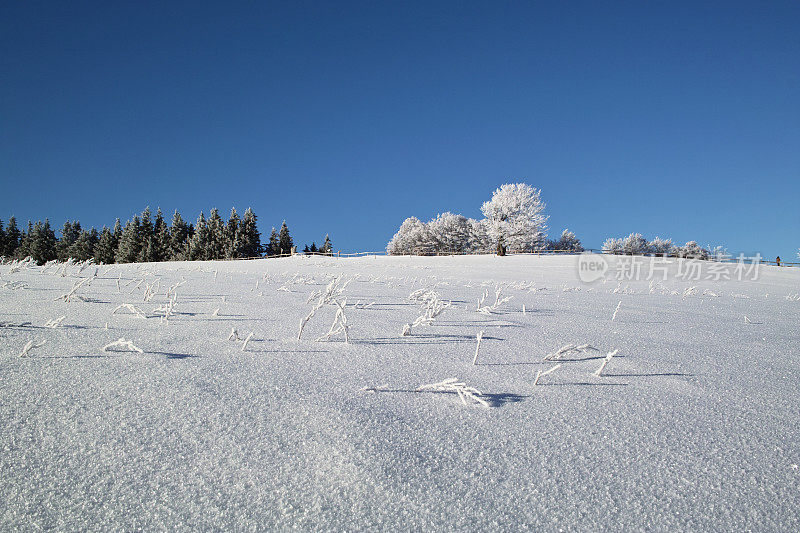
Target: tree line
x=514 y=220
x=146 y=239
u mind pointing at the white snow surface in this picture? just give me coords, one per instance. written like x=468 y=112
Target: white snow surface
x=694 y=424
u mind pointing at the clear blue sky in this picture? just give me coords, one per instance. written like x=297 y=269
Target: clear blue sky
x=678 y=119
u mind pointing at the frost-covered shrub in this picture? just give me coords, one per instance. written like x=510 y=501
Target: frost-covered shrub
x=692 y=250
x=634 y=244
x=613 y=246
x=447 y=233
x=659 y=246
x=568 y=242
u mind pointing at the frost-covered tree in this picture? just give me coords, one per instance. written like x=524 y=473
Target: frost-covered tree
x=450 y=233
x=42 y=242
x=179 y=235
x=692 y=250
x=147 y=250
x=216 y=231
x=106 y=247
x=249 y=237
x=83 y=248
x=612 y=246
x=117 y=229
x=634 y=244
x=515 y=217
x=327 y=245
x=660 y=247
x=201 y=240
x=233 y=243
x=568 y=242
x=2 y=240
x=69 y=234
x=479 y=240
x=285 y=240
x=13 y=236
x=24 y=248
x=274 y=246
x=161 y=238
x=130 y=244
x=413 y=238
x=400 y=243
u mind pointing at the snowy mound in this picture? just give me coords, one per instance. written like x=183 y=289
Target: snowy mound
x=427 y=393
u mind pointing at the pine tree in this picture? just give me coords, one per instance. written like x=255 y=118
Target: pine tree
x=146 y=237
x=84 y=246
x=216 y=231
x=43 y=242
x=327 y=246
x=13 y=236
x=161 y=238
x=2 y=240
x=24 y=248
x=200 y=240
x=106 y=247
x=130 y=244
x=117 y=231
x=69 y=235
x=249 y=237
x=179 y=239
x=233 y=243
x=313 y=248
x=274 y=243
x=285 y=240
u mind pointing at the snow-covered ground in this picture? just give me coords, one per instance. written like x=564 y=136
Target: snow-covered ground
x=694 y=424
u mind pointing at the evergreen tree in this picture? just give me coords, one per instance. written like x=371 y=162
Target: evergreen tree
x=2 y=240
x=106 y=247
x=84 y=246
x=233 y=243
x=216 y=232
x=285 y=240
x=69 y=234
x=24 y=248
x=200 y=240
x=13 y=236
x=306 y=249
x=130 y=244
x=42 y=242
x=161 y=238
x=179 y=239
x=274 y=243
x=117 y=231
x=146 y=237
x=250 y=238
x=327 y=247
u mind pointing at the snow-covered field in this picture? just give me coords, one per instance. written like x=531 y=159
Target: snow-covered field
x=694 y=424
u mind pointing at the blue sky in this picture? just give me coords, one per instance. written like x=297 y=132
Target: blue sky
x=677 y=119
